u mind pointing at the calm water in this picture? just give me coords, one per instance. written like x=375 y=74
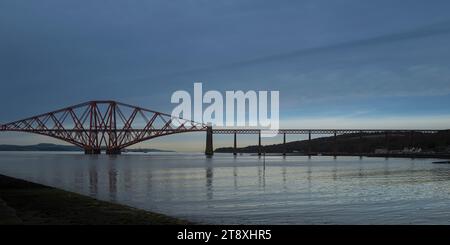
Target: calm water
x=225 y=189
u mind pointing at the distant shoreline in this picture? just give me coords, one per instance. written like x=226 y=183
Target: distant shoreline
x=384 y=155
x=63 y=148
x=23 y=202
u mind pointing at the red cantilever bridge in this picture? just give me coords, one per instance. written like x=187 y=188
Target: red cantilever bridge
x=113 y=126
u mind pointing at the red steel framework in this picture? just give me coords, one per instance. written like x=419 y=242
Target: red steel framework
x=104 y=125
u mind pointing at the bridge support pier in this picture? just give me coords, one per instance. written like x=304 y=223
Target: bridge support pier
x=360 y=149
x=209 y=151
x=335 y=144
x=259 y=143
x=113 y=151
x=284 y=144
x=235 y=144
x=309 y=143
x=386 y=142
x=92 y=151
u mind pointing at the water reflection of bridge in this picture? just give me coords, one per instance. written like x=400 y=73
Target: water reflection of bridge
x=278 y=171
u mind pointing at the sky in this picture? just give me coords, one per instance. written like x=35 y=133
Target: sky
x=337 y=64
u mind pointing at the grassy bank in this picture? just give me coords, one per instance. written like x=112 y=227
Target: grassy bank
x=23 y=202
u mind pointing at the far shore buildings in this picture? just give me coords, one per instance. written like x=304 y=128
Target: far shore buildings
x=405 y=150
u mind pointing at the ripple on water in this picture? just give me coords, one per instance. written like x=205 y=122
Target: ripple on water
x=224 y=189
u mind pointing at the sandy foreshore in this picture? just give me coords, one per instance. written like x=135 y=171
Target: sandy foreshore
x=23 y=202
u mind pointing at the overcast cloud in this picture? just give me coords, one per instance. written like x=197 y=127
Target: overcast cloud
x=366 y=59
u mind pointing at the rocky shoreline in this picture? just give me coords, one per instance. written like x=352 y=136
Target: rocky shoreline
x=23 y=202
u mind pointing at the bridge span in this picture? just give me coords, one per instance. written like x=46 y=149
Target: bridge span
x=332 y=132
x=112 y=126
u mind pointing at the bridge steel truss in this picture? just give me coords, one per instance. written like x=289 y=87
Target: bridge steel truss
x=103 y=125
x=112 y=126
